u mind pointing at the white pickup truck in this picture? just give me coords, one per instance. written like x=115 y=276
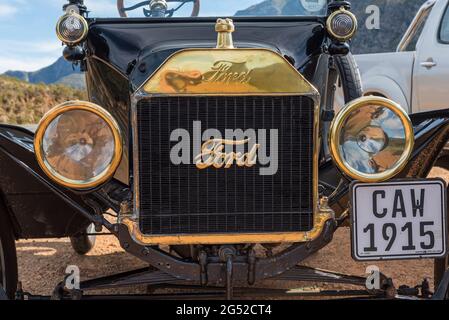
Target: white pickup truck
x=417 y=74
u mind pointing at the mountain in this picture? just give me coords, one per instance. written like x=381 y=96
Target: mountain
x=74 y=80
x=395 y=16
x=59 y=72
x=23 y=103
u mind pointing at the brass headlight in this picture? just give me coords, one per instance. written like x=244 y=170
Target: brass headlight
x=72 y=28
x=78 y=144
x=342 y=24
x=371 y=139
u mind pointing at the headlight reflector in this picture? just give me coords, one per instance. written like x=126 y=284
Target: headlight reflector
x=78 y=145
x=72 y=28
x=342 y=24
x=371 y=139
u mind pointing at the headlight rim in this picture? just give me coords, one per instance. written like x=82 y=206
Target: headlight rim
x=337 y=125
x=60 y=109
x=329 y=26
x=81 y=38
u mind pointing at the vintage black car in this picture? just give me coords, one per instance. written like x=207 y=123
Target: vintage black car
x=211 y=149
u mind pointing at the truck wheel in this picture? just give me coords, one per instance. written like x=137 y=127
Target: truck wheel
x=83 y=242
x=8 y=256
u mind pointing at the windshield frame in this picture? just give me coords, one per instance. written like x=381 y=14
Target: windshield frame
x=320 y=14
x=176 y=20
x=420 y=18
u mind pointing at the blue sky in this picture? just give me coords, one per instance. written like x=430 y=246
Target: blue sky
x=27 y=37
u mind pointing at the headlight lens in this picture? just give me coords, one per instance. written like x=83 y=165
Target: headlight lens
x=371 y=139
x=78 y=145
x=72 y=28
x=342 y=24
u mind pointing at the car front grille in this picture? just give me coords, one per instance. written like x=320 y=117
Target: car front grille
x=181 y=199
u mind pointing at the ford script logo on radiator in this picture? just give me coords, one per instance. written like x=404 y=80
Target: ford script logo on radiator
x=213 y=154
x=210 y=149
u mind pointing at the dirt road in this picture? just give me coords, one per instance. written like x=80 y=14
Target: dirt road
x=42 y=263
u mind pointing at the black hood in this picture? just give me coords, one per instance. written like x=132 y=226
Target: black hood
x=137 y=47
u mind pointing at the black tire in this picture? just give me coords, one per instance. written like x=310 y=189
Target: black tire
x=8 y=255
x=348 y=85
x=441 y=265
x=349 y=75
x=82 y=243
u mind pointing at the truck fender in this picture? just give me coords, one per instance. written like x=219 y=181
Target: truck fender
x=386 y=87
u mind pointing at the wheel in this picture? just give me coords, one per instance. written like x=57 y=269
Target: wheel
x=349 y=76
x=349 y=83
x=8 y=255
x=84 y=242
x=443 y=159
x=441 y=265
x=348 y=86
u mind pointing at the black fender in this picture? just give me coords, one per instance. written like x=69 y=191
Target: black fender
x=431 y=130
x=36 y=207
x=431 y=136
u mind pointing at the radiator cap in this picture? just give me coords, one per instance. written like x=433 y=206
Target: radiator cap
x=225 y=28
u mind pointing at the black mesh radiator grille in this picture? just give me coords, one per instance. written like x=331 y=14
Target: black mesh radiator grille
x=181 y=199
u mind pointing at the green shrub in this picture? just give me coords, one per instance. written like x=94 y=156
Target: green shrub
x=25 y=103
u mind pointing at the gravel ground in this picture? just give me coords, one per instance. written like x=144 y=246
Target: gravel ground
x=42 y=263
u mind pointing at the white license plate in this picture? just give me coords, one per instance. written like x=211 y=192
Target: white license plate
x=399 y=219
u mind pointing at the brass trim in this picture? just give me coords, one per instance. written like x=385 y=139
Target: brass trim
x=337 y=125
x=212 y=147
x=83 y=21
x=342 y=10
x=274 y=75
x=321 y=213
x=229 y=238
x=253 y=71
x=224 y=29
x=78 y=105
